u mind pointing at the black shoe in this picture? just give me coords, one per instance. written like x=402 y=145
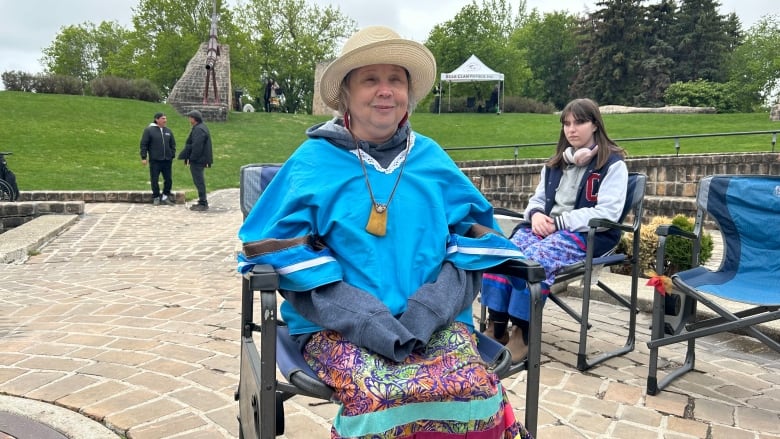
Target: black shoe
x=199 y=207
x=167 y=200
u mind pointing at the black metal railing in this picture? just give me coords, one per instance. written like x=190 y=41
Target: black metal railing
x=676 y=139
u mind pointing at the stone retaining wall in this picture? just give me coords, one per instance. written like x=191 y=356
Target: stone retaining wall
x=671 y=180
x=17 y=213
x=671 y=184
x=32 y=204
x=95 y=196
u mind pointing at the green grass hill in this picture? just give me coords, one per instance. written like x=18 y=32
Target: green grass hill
x=62 y=142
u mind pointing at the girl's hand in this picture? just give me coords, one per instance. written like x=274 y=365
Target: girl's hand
x=542 y=225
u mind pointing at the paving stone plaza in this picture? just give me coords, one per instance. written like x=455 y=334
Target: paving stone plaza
x=130 y=319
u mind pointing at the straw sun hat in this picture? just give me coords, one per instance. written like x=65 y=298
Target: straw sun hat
x=379 y=45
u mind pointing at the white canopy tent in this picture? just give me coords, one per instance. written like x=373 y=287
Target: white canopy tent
x=470 y=71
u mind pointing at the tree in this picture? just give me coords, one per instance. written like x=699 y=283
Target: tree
x=612 y=50
x=484 y=31
x=703 y=41
x=549 y=45
x=657 y=67
x=166 y=34
x=284 y=40
x=84 y=51
x=755 y=64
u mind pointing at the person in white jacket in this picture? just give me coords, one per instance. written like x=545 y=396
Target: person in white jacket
x=586 y=178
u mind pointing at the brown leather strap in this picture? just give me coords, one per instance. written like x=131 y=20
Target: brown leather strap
x=265 y=246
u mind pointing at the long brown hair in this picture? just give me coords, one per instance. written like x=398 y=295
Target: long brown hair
x=585 y=110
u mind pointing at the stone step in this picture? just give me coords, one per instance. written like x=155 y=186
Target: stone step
x=17 y=243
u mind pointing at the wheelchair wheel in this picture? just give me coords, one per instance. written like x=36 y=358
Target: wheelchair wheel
x=7 y=193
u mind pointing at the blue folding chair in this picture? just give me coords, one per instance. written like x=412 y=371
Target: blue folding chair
x=746 y=209
x=261 y=395
x=588 y=270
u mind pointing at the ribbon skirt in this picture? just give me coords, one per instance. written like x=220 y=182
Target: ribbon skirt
x=441 y=391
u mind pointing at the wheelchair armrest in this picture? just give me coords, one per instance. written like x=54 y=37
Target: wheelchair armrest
x=672 y=230
x=496 y=355
x=521 y=268
x=262 y=278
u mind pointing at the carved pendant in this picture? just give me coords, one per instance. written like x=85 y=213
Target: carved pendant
x=377 y=220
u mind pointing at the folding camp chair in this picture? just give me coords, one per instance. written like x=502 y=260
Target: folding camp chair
x=746 y=209
x=589 y=269
x=261 y=395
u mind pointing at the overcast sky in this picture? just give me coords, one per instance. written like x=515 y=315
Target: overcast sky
x=28 y=26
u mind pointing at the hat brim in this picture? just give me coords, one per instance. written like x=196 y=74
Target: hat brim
x=411 y=55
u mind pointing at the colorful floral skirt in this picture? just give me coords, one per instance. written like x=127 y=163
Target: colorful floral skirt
x=442 y=391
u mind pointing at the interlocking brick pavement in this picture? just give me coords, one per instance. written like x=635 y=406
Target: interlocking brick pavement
x=131 y=318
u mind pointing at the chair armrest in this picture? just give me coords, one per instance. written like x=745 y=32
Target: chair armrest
x=672 y=230
x=663 y=232
x=605 y=223
x=521 y=268
x=507 y=212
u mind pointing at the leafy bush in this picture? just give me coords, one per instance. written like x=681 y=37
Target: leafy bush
x=107 y=86
x=18 y=81
x=678 y=250
x=677 y=254
x=701 y=93
x=145 y=90
x=58 y=84
x=112 y=87
x=511 y=104
x=519 y=104
x=42 y=83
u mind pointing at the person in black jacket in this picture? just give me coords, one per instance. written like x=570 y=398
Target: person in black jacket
x=158 y=148
x=198 y=156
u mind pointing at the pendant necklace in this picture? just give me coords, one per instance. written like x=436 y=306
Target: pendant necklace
x=377 y=219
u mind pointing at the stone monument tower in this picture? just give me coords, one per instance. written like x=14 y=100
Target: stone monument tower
x=318 y=107
x=205 y=84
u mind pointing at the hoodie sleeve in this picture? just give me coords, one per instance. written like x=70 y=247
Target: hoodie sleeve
x=358 y=316
x=145 y=144
x=611 y=199
x=173 y=143
x=437 y=304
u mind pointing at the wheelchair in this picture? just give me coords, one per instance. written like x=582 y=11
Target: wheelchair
x=261 y=394
x=9 y=191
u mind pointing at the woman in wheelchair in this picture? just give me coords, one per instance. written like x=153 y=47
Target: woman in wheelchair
x=379 y=239
x=586 y=178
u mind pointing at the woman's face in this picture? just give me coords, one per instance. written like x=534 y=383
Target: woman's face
x=378 y=100
x=579 y=133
